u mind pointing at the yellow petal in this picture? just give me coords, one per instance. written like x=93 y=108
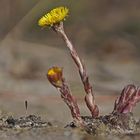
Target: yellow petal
x=54 y=16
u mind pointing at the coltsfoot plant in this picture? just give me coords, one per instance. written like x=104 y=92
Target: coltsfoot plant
x=120 y=120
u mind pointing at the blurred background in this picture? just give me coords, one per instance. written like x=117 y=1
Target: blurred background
x=106 y=33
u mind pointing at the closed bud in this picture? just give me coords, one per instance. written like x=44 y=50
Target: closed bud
x=55 y=76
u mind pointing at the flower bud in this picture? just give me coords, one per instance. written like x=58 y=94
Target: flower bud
x=55 y=76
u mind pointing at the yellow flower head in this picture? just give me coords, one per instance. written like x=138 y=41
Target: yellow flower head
x=53 y=17
x=55 y=76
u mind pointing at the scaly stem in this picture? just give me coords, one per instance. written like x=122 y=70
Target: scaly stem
x=89 y=97
x=71 y=102
x=125 y=103
x=55 y=76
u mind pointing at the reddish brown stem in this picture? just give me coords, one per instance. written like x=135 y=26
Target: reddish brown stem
x=70 y=101
x=89 y=97
x=130 y=95
x=55 y=76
